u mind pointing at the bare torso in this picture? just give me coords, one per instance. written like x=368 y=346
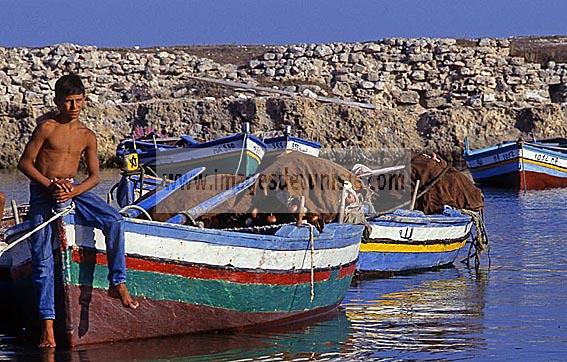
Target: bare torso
x=60 y=154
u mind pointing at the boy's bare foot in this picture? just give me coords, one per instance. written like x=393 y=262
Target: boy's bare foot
x=121 y=292
x=47 y=336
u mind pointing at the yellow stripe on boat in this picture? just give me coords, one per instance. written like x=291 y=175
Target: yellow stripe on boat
x=408 y=248
x=554 y=167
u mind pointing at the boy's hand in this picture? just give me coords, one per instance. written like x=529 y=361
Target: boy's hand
x=60 y=184
x=61 y=195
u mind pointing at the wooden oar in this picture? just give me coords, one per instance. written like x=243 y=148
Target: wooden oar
x=209 y=204
x=162 y=194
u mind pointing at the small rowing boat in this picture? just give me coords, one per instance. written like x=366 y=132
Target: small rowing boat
x=410 y=240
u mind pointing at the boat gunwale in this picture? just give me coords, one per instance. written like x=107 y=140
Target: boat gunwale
x=502 y=147
x=305 y=142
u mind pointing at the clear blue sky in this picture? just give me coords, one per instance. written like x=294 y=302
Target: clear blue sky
x=176 y=22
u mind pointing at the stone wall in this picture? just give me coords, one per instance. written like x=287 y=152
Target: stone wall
x=428 y=93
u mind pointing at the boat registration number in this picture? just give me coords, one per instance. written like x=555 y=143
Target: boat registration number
x=132 y=162
x=504 y=156
x=256 y=149
x=546 y=158
x=225 y=147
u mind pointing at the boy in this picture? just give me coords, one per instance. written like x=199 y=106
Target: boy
x=51 y=160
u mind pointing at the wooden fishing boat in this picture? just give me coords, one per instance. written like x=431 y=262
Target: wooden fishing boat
x=410 y=240
x=236 y=154
x=295 y=341
x=189 y=279
x=519 y=164
x=288 y=143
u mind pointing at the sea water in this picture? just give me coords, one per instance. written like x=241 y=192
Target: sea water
x=514 y=308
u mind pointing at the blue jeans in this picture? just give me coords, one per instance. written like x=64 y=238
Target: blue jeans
x=90 y=210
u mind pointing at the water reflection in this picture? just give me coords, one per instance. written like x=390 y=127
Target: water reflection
x=321 y=339
x=430 y=313
x=516 y=310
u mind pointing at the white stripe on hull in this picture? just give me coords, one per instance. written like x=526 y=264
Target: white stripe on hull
x=528 y=154
x=198 y=252
x=397 y=233
x=293 y=146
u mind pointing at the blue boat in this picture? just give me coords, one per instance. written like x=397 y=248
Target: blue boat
x=236 y=154
x=520 y=165
x=410 y=240
x=288 y=143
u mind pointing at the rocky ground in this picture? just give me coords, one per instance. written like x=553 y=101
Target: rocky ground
x=394 y=93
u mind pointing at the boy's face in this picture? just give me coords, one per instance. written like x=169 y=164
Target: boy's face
x=71 y=105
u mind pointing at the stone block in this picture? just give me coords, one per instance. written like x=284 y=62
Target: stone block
x=322 y=50
x=408 y=97
x=516 y=61
x=418 y=58
x=366 y=84
x=359 y=68
x=418 y=75
x=434 y=102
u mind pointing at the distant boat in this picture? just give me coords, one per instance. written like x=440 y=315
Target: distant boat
x=240 y=153
x=410 y=240
x=189 y=279
x=520 y=164
x=287 y=143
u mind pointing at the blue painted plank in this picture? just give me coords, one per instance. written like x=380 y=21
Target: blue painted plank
x=167 y=191
x=213 y=202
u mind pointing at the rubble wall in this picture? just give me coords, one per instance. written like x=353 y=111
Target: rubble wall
x=426 y=93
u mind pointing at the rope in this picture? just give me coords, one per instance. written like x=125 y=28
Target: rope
x=312 y=247
x=192 y=221
x=135 y=207
x=56 y=216
x=480 y=242
x=241 y=153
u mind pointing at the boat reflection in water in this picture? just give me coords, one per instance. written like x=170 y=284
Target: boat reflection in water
x=322 y=338
x=417 y=316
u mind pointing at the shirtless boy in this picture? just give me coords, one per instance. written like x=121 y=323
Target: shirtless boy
x=51 y=161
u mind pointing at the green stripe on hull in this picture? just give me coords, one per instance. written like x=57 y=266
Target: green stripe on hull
x=218 y=293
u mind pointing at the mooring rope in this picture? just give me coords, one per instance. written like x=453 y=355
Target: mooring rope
x=242 y=150
x=312 y=247
x=56 y=216
x=480 y=242
x=135 y=207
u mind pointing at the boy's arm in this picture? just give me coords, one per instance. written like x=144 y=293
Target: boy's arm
x=27 y=162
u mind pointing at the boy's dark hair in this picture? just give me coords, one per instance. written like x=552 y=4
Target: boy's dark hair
x=69 y=84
